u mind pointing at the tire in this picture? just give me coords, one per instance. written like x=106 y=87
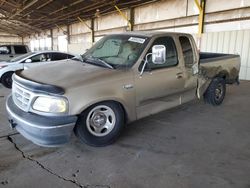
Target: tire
x=100 y=124
x=216 y=91
x=7 y=79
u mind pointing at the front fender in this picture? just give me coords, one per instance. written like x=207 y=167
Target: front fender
x=82 y=98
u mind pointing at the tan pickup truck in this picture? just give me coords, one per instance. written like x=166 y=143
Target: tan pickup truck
x=122 y=78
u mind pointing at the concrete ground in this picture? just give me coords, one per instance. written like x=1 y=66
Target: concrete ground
x=192 y=146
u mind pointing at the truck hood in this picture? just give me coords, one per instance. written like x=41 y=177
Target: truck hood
x=69 y=74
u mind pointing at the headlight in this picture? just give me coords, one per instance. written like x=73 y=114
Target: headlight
x=50 y=104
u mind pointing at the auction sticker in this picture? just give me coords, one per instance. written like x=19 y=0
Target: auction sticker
x=137 y=40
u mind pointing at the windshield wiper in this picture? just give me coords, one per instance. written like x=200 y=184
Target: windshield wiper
x=98 y=61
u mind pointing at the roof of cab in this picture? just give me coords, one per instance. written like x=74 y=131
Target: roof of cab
x=148 y=33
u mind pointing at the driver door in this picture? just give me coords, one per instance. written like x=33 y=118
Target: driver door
x=36 y=60
x=160 y=86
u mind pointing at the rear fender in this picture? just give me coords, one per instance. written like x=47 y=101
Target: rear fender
x=206 y=75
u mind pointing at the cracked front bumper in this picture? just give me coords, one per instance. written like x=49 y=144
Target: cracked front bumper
x=41 y=130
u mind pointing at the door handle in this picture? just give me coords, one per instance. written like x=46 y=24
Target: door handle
x=11 y=56
x=179 y=75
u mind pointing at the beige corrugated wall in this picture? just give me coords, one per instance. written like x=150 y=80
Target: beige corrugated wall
x=233 y=42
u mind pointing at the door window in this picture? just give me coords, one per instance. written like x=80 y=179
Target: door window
x=5 y=50
x=61 y=56
x=20 y=49
x=187 y=51
x=41 y=58
x=171 y=53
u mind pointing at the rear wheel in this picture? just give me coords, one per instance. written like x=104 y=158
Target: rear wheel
x=101 y=124
x=216 y=91
x=7 y=79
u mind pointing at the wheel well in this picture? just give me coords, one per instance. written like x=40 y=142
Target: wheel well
x=223 y=74
x=113 y=101
x=5 y=74
x=123 y=109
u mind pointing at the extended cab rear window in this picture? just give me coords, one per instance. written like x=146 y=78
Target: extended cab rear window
x=20 y=49
x=187 y=51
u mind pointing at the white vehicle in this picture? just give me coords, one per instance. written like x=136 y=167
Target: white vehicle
x=8 y=52
x=26 y=61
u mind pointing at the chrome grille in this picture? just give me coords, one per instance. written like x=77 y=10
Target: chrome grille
x=21 y=97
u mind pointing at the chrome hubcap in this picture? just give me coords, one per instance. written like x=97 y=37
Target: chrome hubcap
x=100 y=120
x=219 y=91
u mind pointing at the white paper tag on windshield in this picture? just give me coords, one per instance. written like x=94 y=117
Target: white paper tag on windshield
x=137 y=40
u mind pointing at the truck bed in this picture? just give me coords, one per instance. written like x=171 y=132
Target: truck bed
x=207 y=57
x=218 y=64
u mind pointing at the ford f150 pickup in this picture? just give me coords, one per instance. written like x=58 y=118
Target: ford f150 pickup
x=122 y=78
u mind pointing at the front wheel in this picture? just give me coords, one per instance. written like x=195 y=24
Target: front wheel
x=216 y=91
x=100 y=124
x=7 y=79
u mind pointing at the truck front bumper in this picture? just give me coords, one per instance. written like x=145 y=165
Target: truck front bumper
x=41 y=130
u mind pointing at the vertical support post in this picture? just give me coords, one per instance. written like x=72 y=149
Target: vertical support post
x=22 y=41
x=68 y=34
x=201 y=6
x=52 y=39
x=132 y=18
x=202 y=16
x=91 y=27
x=124 y=16
x=92 y=30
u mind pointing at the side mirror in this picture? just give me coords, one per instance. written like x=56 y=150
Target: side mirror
x=159 y=54
x=28 y=61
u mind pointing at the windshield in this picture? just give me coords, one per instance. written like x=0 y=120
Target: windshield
x=117 y=50
x=21 y=57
